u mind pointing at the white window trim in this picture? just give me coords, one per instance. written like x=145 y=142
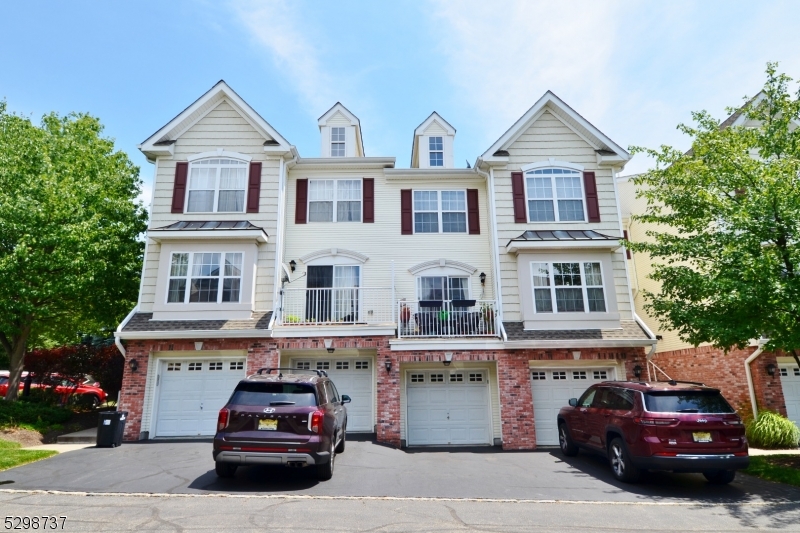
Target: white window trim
x=439 y=211
x=335 y=200
x=343 y=143
x=442 y=137
x=552 y=287
x=555 y=194
x=448 y=276
x=220 y=154
x=188 y=277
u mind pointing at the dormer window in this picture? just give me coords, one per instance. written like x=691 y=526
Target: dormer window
x=436 y=151
x=216 y=185
x=337 y=142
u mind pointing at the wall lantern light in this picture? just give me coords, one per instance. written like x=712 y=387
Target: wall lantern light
x=770 y=369
x=292 y=265
x=388 y=365
x=329 y=345
x=637 y=371
x=483 y=278
x=133 y=364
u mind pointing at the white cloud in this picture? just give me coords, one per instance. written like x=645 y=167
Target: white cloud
x=558 y=45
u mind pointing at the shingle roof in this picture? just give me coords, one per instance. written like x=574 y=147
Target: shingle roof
x=144 y=322
x=630 y=331
x=203 y=225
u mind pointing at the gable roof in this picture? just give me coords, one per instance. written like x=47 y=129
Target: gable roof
x=354 y=121
x=162 y=141
x=571 y=118
x=419 y=130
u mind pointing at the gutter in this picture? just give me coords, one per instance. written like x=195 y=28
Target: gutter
x=761 y=343
x=195 y=334
x=650 y=334
x=118 y=332
x=495 y=246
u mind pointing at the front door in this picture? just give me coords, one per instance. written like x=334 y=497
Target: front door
x=333 y=294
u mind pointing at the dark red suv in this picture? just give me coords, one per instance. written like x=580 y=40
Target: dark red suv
x=676 y=426
x=288 y=419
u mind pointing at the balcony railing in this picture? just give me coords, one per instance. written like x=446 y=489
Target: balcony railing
x=454 y=318
x=335 y=306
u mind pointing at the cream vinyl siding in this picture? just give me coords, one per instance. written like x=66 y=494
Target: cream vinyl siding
x=548 y=137
x=382 y=242
x=641 y=266
x=494 y=390
x=338 y=120
x=223 y=127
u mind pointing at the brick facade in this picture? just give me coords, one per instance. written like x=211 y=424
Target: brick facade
x=715 y=368
x=516 y=402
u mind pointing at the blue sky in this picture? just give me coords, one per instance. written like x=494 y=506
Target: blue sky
x=633 y=69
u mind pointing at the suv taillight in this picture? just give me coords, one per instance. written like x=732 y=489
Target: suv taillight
x=655 y=421
x=315 y=422
x=222 y=420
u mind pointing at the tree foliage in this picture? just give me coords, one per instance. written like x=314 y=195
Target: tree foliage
x=70 y=257
x=726 y=243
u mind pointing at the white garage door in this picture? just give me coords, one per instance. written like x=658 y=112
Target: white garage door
x=448 y=407
x=191 y=392
x=352 y=376
x=790 y=380
x=552 y=389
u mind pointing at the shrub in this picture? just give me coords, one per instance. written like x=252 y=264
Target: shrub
x=39 y=416
x=771 y=430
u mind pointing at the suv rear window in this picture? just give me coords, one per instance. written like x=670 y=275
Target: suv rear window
x=274 y=394
x=686 y=402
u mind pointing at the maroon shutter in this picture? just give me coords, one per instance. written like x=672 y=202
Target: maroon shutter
x=473 y=215
x=179 y=188
x=254 y=188
x=301 y=202
x=627 y=251
x=369 y=199
x=406 y=213
x=518 y=191
x=592 y=204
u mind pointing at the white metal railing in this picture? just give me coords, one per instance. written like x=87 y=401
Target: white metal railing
x=347 y=306
x=453 y=318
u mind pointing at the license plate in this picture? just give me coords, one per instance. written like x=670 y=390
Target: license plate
x=268 y=425
x=701 y=436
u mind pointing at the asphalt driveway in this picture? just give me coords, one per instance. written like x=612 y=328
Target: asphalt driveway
x=369 y=469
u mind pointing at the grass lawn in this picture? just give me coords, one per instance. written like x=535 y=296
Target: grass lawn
x=11 y=455
x=781 y=468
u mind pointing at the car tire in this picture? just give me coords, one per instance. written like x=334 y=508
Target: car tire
x=720 y=477
x=568 y=447
x=340 y=446
x=620 y=461
x=95 y=401
x=225 y=470
x=325 y=470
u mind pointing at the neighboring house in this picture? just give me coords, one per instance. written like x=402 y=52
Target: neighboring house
x=778 y=391
x=385 y=278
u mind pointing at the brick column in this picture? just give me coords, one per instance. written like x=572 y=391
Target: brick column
x=388 y=386
x=132 y=393
x=516 y=400
x=262 y=354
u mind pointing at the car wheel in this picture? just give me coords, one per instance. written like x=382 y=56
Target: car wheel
x=568 y=447
x=325 y=471
x=225 y=470
x=340 y=446
x=621 y=465
x=720 y=477
x=95 y=401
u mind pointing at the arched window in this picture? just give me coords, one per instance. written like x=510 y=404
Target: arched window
x=216 y=184
x=555 y=195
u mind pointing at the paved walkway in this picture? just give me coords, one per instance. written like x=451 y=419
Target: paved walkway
x=757 y=451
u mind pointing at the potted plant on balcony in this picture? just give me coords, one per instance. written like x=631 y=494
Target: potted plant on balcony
x=487 y=310
x=405 y=314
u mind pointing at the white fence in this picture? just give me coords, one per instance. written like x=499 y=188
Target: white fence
x=361 y=305
x=455 y=318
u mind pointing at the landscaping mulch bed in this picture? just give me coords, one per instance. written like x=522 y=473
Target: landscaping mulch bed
x=24 y=437
x=789 y=461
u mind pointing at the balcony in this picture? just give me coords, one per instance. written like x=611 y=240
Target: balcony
x=333 y=306
x=447 y=319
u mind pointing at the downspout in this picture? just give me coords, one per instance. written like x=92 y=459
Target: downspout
x=279 y=235
x=495 y=247
x=650 y=334
x=122 y=324
x=761 y=343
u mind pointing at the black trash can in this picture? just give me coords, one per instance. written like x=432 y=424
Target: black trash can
x=110 y=428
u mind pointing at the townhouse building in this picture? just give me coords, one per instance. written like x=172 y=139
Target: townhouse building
x=455 y=306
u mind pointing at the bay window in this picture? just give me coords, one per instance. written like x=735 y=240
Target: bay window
x=574 y=287
x=216 y=185
x=205 y=277
x=554 y=195
x=334 y=200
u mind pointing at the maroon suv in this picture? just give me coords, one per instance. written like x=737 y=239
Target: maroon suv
x=281 y=419
x=677 y=426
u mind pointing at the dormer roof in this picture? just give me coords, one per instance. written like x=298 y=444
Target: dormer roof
x=339 y=108
x=605 y=148
x=433 y=122
x=161 y=143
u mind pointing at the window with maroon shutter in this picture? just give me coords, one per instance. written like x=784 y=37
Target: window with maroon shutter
x=369 y=199
x=592 y=203
x=518 y=192
x=254 y=187
x=627 y=251
x=406 y=213
x=301 y=202
x=473 y=215
x=179 y=187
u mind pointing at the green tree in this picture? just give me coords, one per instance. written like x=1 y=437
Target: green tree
x=69 y=255
x=726 y=248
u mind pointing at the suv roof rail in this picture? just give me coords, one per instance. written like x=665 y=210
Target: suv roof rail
x=676 y=381
x=320 y=373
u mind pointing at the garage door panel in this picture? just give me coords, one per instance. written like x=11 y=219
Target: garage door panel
x=790 y=382
x=352 y=377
